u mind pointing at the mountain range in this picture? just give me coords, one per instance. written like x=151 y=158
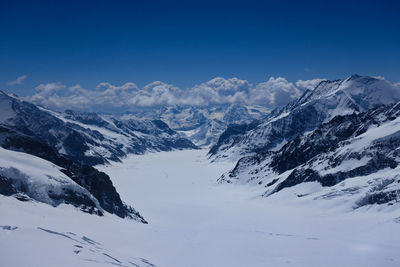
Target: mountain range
x=328 y=99
x=54 y=154
x=338 y=141
x=203 y=125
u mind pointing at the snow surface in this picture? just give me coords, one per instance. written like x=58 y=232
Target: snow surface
x=39 y=176
x=193 y=221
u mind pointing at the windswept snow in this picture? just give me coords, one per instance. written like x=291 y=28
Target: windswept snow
x=193 y=221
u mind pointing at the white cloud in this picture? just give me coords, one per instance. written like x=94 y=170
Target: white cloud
x=397 y=85
x=108 y=97
x=228 y=87
x=47 y=95
x=308 y=84
x=127 y=87
x=218 y=91
x=19 y=80
x=155 y=94
x=49 y=88
x=274 y=92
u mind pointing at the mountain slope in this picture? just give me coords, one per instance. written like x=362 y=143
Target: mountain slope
x=66 y=148
x=27 y=176
x=88 y=137
x=97 y=184
x=329 y=99
x=353 y=157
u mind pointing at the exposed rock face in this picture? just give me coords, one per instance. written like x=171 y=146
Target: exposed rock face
x=99 y=193
x=330 y=98
x=88 y=137
x=71 y=142
x=361 y=147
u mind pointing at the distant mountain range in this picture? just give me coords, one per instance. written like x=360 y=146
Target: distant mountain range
x=203 y=125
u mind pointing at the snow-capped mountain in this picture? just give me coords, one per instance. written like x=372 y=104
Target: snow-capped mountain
x=203 y=125
x=329 y=98
x=88 y=137
x=46 y=156
x=19 y=171
x=353 y=157
x=32 y=170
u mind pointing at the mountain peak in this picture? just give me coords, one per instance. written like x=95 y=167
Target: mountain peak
x=329 y=99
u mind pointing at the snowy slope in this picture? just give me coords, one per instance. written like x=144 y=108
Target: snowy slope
x=352 y=158
x=329 y=99
x=29 y=177
x=195 y=222
x=35 y=234
x=15 y=182
x=88 y=137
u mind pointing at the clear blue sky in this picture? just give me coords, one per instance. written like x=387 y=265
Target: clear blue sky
x=188 y=42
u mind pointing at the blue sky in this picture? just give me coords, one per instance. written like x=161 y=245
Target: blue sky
x=189 y=42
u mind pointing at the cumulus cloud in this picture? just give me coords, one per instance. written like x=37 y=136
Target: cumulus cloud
x=157 y=94
x=308 y=84
x=105 y=97
x=108 y=97
x=218 y=91
x=275 y=92
x=19 y=80
x=49 y=95
x=107 y=87
x=49 y=88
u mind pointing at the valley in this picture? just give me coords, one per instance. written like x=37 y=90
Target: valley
x=200 y=133
x=194 y=221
